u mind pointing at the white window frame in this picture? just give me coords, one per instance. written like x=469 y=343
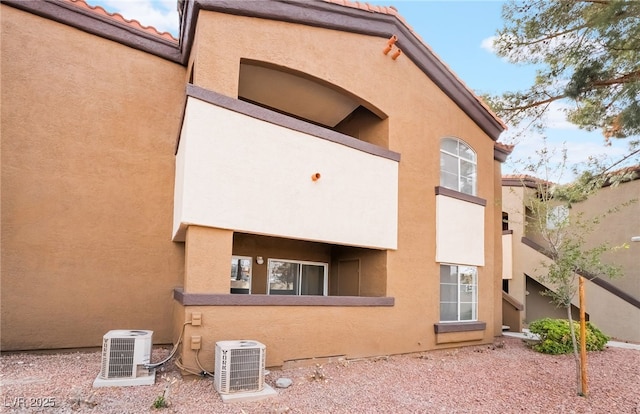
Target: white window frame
x=250 y=259
x=459 y=156
x=458 y=284
x=325 y=284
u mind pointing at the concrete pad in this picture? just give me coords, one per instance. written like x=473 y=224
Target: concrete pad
x=266 y=392
x=624 y=345
x=124 y=382
x=525 y=334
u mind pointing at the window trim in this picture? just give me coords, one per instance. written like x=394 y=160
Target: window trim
x=447 y=192
x=458 y=157
x=466 y=326
x=325 y=281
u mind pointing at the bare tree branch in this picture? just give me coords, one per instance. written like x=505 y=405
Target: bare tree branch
x=536 y=103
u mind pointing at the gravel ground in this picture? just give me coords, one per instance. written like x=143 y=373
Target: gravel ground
x=504 y=378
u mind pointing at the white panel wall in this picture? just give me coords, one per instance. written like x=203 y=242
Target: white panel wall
x=459 y=232
x=237 y=172
x=507 y=256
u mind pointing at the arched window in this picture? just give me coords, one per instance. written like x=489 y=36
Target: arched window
x=458 y=166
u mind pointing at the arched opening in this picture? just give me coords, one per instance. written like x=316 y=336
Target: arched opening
x=311 y=99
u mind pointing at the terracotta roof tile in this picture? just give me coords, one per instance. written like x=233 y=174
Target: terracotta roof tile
x=364 y=6
x=507 y=148
x=521 y=176
x=626 y=170
x=389 y=10
x=117 y=16
x=524 y=180
x=629 y=173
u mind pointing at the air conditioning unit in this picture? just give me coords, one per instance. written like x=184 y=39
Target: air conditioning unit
x=124 y=355
x=239 y=366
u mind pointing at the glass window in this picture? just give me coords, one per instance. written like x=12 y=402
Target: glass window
x=458 y=293
x=557 y=217
x=241 y=274
x=291 y=277
x=458 y=166
x=450 y=145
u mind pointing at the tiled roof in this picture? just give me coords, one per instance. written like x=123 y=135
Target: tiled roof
x=118 y=17
x=624 y=174
x=523 y=180
x=629 y=173
x=388 y=10
x=507 y=148
x=365 y=6
x=626 y=170
x=521 y=177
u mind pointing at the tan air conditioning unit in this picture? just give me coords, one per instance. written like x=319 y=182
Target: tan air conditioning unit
x=239 y=366
x=125 y=356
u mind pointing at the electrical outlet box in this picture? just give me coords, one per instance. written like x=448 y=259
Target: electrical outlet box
x=196 y=341
x=196 y=318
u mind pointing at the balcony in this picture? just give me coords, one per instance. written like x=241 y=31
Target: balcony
x=248 y=169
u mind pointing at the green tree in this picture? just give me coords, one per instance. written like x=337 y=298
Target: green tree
x=565 y=233
x=587 y=52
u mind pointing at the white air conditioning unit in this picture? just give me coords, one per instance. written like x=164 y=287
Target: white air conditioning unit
x=239 y=366
x=124 y=356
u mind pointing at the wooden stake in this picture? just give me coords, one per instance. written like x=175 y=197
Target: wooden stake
x=583 y=337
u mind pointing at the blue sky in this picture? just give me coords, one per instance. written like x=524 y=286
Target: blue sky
x=459 y=32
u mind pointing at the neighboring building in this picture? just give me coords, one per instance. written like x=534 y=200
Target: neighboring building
x=613 y=305
x=282 y=170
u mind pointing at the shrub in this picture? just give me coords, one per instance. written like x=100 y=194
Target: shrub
x=555 y=336
x=160 y=402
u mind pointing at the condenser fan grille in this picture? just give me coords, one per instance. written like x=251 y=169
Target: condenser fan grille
x=120 y=359
x=239 y=366
x=126 y=359
x=244 y=369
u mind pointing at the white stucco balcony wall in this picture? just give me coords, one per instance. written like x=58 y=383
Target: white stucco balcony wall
x=459 y=232
x=237 y=172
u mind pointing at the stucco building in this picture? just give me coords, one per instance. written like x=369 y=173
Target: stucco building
x=613 y=305
x=305 y=174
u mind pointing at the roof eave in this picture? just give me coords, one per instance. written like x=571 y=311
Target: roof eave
x=355 y=20
x=325 y=15
x=502 y=151
x=89 y=21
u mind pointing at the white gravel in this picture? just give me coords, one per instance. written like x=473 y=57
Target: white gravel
x=506 y=378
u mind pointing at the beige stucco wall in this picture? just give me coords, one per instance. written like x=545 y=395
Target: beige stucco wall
x=613 y=315
x=616 y=318
x=617 y=229
x=498 y=251
x=512 y=204
x=419 y=115
x=88 y=173
x=88 y=137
